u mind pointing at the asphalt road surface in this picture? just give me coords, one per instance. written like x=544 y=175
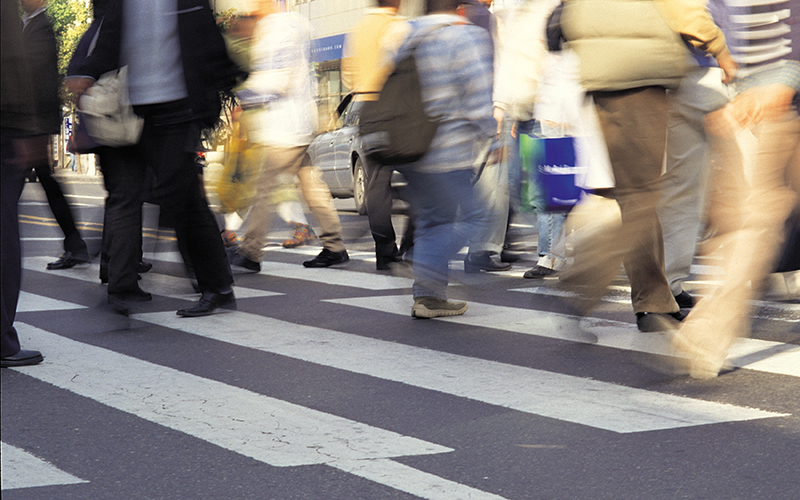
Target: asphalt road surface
x=321 y=386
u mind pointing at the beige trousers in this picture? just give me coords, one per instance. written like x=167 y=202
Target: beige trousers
x=290 y=161
x=749 y=217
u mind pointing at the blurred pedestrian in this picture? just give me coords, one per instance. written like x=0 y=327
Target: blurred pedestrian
x=453 y=58
x=177 y=65
x=630 y=53
x=368 y=53
x=40 y=44
x=280 y=120
x=19 y=148
x=763 y=198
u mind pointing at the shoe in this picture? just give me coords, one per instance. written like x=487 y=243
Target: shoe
x=208 y=303
x=326 y=258
x=22 y=358
x=67 y=261
x=303 y=233
x=241 y=263
x=684 y=300
x=136 y=295
x=658 y=322
x=229 y=238
x=510 y=256
x=540 y=273
x=383 y=262
x=477 y=262
x=143 y=267
x=431 y=307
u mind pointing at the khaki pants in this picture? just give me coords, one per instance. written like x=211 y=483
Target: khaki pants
x=754 y=209
x=290 y=161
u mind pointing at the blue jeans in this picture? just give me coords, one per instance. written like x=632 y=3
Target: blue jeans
x=550 y=226
x=446 y=212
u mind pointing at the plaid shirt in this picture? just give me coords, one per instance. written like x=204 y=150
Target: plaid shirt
x=455 y=68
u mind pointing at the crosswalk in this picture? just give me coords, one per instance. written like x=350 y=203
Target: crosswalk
x=286 y=434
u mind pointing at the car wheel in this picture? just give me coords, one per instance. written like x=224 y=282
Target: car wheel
x=360 y=187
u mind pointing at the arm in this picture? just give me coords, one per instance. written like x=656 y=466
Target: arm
x=692 y=20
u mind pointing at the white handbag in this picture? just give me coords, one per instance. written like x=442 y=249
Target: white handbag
x=107 y=111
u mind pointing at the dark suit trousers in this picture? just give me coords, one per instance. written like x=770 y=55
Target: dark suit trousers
x=61 y=211
x=169 y=145
x=379 y=208
x=124 y=177
x=13 y=181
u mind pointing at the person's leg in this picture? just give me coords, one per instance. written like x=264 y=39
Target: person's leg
x=319 y=201
x=277 y=163
x=169 y=143
x=62 y=212
x=634 y=127
x=439 y=230
x=123 y=174
x=379 y=209
x=687 y=169
x=751 y=252
x=13 y=181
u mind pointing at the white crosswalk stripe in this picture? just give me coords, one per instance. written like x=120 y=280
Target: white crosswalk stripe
x=21 y=469
x=284 y=434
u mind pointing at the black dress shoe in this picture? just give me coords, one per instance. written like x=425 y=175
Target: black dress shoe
x=208 y=303
x=658 y=322
x=22 y=358
x=684 y=300
x=240 y=263
x=326 y=258
x=135 y=295
x=143 y=267
x=383 y=262
x=540 y=273
x=477 y=262
x=67 y=261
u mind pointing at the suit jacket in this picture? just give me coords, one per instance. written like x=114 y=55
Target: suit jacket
x=40 y=47
x=206 y=66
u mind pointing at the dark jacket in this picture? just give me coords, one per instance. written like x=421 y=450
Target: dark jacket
x=15 y=84
x=206 y=65
x=40 y=48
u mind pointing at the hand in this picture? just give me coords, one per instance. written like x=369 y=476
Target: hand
x=78 y=85
x=764 y=103
x=499 y=116
x=728 y=66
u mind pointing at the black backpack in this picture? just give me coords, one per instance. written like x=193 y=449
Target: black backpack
x=395 y=130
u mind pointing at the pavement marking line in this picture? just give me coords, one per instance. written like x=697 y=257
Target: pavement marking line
x=29 y=302
x=20 y=469
x=761 y=355
x=269 y=430
x=404 y=478
x=329 y=276
x=773 y=311
x=573 y=399
x=155 y=283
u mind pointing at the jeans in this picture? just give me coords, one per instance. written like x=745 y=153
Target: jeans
x=446 y=212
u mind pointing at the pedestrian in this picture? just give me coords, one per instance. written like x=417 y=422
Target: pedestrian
x=453 y=58
x=19 y=148
x=630 y=53
x=491 y=184
x=40 y=44
x=759 y=204
x=280 y=120
x=177 y=65
x=369 y=49
x=688 y=162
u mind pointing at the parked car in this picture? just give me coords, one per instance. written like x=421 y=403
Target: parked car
x=339 y=156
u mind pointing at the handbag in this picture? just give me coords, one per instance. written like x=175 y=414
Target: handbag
x=80 y=141
x=107 y=111
x=551 y=161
